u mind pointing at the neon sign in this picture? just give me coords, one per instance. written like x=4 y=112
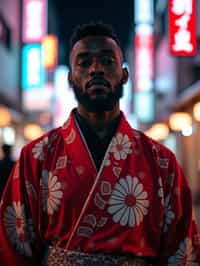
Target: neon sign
x=143 y=61
x=32 y=70
x=34 y=20
x=50 y=51
x=182 y=27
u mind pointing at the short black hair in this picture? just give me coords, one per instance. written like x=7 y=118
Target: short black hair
x=93 y=29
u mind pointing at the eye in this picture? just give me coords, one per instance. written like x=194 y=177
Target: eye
x=84 y=62
x=107 y=60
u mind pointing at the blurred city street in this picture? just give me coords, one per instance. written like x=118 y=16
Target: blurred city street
x=160 y=42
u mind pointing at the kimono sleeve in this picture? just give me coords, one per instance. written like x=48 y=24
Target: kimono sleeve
x=18 y=217
x=180 y=242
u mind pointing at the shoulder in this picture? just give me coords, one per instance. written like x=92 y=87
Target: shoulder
x=151 y=146
x=143 y=142
x=43 y=143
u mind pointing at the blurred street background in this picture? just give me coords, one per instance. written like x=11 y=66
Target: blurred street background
x=161 y=44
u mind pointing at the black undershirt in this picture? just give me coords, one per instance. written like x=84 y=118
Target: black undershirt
x=97 y=145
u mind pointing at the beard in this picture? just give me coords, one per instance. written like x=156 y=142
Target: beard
x=100 y=103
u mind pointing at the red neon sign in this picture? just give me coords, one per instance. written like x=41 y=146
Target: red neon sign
x=182 y=27
x=143 y=61
x=34 y=20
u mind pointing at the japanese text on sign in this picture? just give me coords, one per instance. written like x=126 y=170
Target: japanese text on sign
x=182 y=27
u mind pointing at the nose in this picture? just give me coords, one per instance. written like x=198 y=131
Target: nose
x=96 y=68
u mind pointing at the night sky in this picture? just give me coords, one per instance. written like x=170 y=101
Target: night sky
x=116 y=12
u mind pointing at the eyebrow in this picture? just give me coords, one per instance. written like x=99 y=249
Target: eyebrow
x=104 y=51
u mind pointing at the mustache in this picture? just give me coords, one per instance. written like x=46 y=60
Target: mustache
x=97 y=81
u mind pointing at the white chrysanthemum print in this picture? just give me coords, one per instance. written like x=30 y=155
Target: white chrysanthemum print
x=17 y=230
x=38 y=149
x=128 y=202
x=120 y=146
x=51 y=192
x=161 y=191
x=184 y=255
x=169 y=214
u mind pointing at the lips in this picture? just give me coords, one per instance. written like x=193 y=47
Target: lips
x=97 y=83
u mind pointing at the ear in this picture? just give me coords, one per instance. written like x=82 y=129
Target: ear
x=125 y=75
x=70 y=78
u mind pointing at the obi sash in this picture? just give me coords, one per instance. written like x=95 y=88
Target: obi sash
x=59 y=256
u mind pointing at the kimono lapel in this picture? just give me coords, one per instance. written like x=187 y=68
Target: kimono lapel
x=115 y=157
x=77 y=149
x=118 y=152
x=110 y=170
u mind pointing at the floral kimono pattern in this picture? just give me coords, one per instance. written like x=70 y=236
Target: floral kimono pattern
x=137 y=204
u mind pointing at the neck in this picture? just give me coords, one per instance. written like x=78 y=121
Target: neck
x=99 y=120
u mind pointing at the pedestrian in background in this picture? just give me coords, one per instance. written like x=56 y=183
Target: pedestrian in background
x=95 y=191
x=6 y=165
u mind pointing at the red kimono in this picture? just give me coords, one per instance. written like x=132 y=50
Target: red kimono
x=137 y=203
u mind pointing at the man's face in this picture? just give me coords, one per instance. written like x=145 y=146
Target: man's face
x=96 y=73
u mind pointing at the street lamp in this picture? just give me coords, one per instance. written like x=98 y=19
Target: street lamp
x=196 y=111
x=5 y=117
x=179 y=120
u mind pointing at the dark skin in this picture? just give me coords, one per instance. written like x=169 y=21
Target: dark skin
x=91 y=58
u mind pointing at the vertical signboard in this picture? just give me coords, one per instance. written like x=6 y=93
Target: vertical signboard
x=143 y=65
x=36 y=94
x=143 y=61
x=50 y=51
x=182 y=27
x=34 y=20
x=32 y=70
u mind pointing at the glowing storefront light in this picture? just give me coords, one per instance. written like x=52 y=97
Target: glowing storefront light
x=9 y=135
x=5 y=117
x=196 y=111
x=180 y=120
x=33 y=131
x=158 y=131
x=187 y=131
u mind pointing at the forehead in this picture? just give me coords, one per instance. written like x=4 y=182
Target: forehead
x=95 y=45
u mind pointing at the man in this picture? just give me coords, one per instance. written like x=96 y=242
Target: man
x=95 y=191
x=6 y=165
